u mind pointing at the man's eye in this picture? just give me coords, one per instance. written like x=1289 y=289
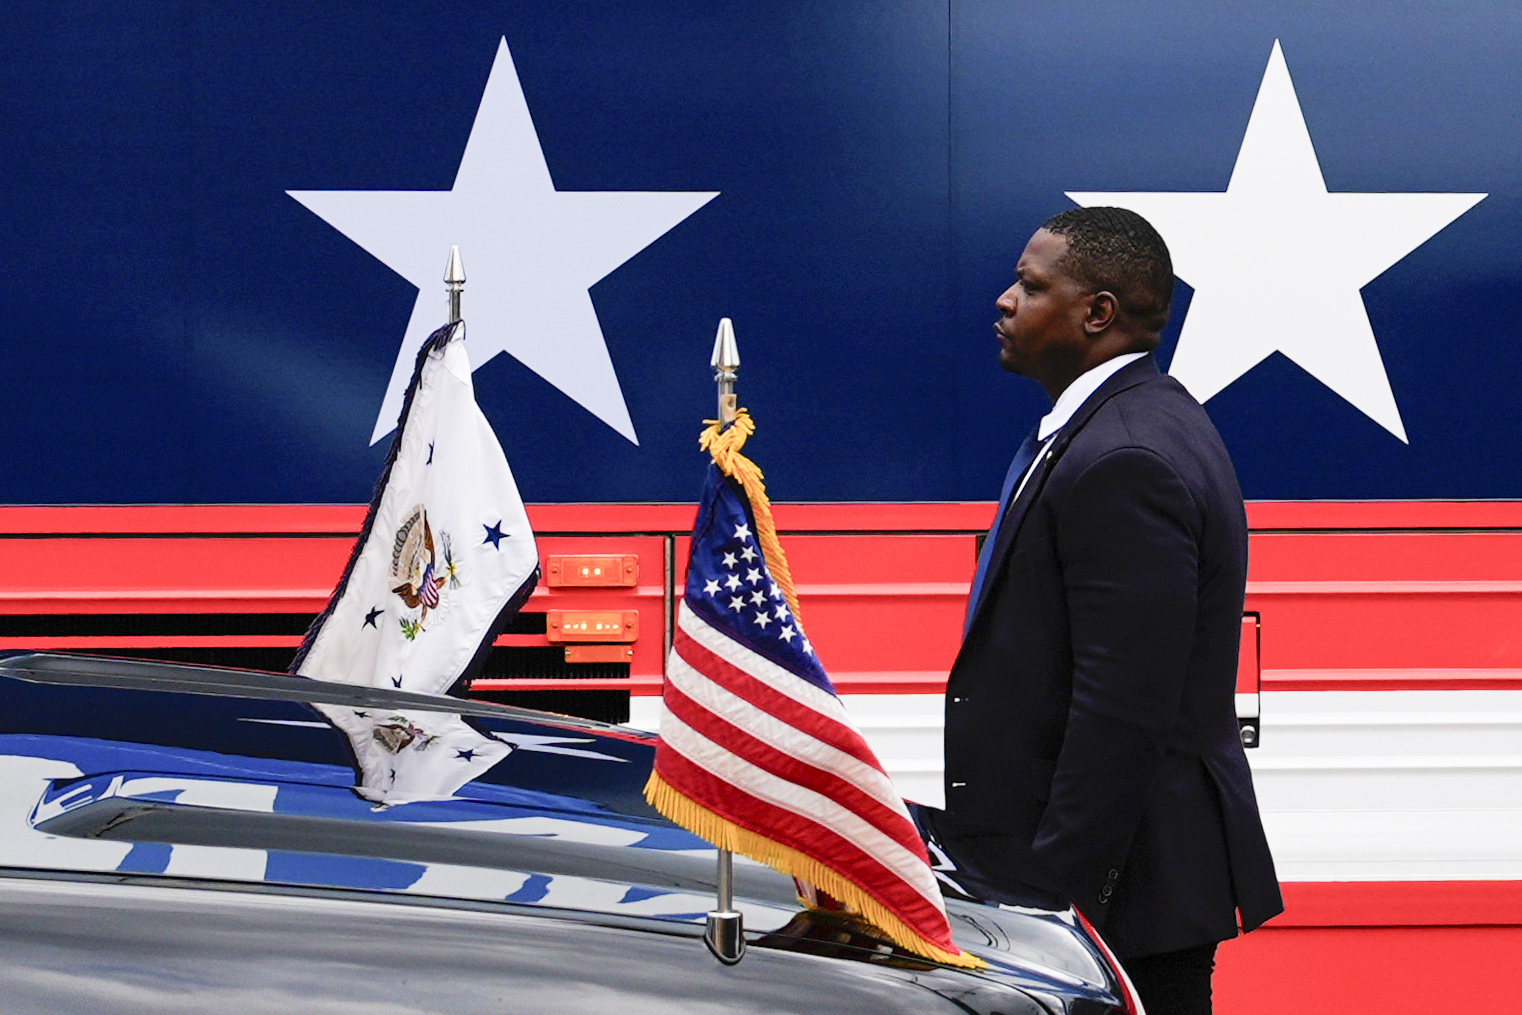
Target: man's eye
x=1028 y=285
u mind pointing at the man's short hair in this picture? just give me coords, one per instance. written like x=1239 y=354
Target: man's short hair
x=1118 y=250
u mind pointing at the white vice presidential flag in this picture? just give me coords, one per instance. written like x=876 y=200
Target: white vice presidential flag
x=446 y=548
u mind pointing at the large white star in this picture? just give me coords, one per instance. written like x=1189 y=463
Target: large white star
x=1277 y=262
x=531 y=252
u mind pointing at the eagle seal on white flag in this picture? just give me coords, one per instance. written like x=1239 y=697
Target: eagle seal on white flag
x=445 y=556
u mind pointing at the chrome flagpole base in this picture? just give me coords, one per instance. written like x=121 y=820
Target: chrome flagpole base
x=725 y=932
x=725 y=936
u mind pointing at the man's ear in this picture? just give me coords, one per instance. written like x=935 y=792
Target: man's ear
x=1103 y=309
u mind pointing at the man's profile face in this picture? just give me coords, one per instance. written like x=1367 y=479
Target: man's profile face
x=1040 y=327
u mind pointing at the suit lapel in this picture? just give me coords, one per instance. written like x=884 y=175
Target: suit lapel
x=1128 y=376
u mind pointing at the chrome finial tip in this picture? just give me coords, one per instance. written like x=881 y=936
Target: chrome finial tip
x=454 y=271
x=726 y=351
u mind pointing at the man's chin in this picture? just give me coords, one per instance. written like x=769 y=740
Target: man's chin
x=1008 y=363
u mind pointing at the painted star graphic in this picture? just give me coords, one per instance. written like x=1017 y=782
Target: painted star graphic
x=532 y=253
x=711 y=587
x=553 y=745
x=370 y=617
x=1275 y=228
x=468 y=754
x=494 y=535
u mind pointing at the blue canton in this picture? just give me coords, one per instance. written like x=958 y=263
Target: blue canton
x=729 y=586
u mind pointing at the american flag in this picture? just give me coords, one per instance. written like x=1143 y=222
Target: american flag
x=758 y=755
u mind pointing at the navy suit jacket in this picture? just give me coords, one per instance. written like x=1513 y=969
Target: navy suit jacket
x=1092 y=748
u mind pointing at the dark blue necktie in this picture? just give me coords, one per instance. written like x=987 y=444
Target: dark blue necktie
x=1017 y=467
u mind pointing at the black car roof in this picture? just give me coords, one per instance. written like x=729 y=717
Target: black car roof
x=138 y=769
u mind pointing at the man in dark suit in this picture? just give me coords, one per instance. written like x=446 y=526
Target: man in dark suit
x=1092 y=748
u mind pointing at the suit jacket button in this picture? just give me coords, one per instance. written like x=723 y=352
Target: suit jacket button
x=1114 y=874
x=1104 y=893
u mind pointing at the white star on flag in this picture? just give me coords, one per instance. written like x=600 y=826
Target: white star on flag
x=1276 y=237
x=711 y=587
x=796 y=780
x=531 y=252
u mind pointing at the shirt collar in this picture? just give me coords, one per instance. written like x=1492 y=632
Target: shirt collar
x=1078 y=392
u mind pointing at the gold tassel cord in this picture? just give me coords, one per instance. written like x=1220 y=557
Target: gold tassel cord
x=728 y=835
x=724 y=444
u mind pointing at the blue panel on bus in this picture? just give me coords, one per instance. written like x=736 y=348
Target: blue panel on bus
x=1340 y=184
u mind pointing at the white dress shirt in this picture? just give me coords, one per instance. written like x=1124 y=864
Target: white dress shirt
x=1067 y=403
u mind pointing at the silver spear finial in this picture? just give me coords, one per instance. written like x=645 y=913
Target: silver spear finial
x=724 y=933
x=726 y=364
x=454 y=283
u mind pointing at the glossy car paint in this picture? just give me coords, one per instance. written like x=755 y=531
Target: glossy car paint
x=129 y=948
x=176 y=838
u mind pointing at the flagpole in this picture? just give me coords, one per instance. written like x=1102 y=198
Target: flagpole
x=724 y=933
x=726 y=364
x=454 y=284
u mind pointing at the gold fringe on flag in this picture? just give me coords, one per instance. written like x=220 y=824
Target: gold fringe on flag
x=728 y=835
x=725 y=444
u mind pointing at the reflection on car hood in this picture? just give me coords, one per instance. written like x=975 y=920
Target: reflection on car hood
x=148 y=769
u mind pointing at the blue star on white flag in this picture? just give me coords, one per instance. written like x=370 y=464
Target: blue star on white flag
x=424 y=587
x=533 y=252
x=445 y=551
x=408 y=755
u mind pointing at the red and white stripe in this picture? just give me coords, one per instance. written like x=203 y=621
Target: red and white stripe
x=769 y=751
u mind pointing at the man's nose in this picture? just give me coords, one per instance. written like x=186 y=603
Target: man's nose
x=1007 y=302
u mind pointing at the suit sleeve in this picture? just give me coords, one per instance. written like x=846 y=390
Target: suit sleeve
x=1127 y=538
